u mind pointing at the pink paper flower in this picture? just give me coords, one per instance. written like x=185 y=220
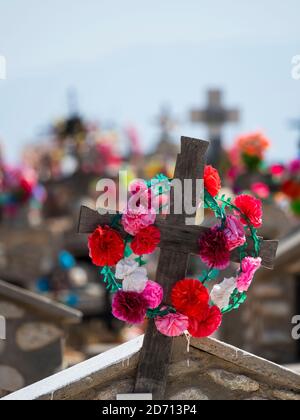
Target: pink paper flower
x=261 y=189
x=249 y=267
x=294 y=166
x=234 y=232
x=277 y=170
x=213 y=248
x=148 y=199
x=129 y=307
x=133 y=220
x=153 y=294
x=172 y=325
x=136 y=186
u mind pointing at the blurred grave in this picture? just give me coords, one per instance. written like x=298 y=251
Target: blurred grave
x=35 y=331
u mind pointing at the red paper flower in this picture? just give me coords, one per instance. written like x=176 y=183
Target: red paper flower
x=106 y=246
x=129 y=307
x=214 y=248
x=189 y=297
x=146 y=240
x=292 y=189
x=207 y=324
x=212 y=180
x=251 y=207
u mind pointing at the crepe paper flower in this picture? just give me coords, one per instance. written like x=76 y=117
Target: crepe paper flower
x=136 y=186
x=212 y=180
x=148 y=200
x=249 y=267
x=134 y=277
x=172 y=325
x=133 y=220
x=189 y=297
x=136 y=281
x=153 y=294
x=126 y=267
x=291 y=188
x=261 y=189
x=129 y=307
x=253 y=144
x=146 y=241
x=277 y=170
x=234 y=233
x=294 y=166
x=221 y=293
x=213 y=248
x=251 y=208
x=106 y=246
x=208 y=324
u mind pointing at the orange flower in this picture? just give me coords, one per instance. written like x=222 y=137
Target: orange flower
x=253 y=144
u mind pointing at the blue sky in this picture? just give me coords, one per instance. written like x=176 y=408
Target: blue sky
x=127 y=58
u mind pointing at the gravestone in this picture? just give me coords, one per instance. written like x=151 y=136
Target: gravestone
x=212 y=370
x=35 y=330
x=178 y=242
x=26 y=254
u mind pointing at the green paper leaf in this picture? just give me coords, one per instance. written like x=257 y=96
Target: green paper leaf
x=128 y=251
x=110 y=280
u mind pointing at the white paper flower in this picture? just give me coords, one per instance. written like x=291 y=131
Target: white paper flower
x=136 y=281
x=221 y=293
x=125 y=268
x=134 y=277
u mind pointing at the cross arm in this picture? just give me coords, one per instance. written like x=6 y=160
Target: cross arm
x=179 y=238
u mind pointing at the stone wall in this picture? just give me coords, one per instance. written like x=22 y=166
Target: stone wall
x=32 y=349
x=198 y=376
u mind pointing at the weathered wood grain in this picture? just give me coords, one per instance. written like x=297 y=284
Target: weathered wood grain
x=179 y=238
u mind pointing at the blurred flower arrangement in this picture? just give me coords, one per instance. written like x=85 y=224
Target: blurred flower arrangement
x=248 y=169
x=75 y=145
x=287 y=178
x=18 y=187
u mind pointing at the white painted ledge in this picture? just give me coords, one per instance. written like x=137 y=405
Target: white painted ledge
x=78 y=373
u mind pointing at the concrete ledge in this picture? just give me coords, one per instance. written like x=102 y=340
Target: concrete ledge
x=276 y=373
x=82 y=376
x=118 y=366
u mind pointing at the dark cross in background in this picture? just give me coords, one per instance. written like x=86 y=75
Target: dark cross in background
x=295 y=124
x=178 y=242
x=215 y=116
x=166 y=123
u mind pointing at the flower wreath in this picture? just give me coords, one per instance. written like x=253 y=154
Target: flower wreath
x=193 y=309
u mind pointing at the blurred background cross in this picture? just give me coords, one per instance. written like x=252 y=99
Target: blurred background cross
x=215 y=116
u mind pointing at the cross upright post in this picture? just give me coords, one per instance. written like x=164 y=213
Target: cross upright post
x=173 y=264
x=178 y=242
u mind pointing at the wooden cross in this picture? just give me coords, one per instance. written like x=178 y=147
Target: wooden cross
x=166 y=123
x=215 y=116
x=178 y=242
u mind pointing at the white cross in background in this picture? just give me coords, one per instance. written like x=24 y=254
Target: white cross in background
x=2 y=67
x=2 y=328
